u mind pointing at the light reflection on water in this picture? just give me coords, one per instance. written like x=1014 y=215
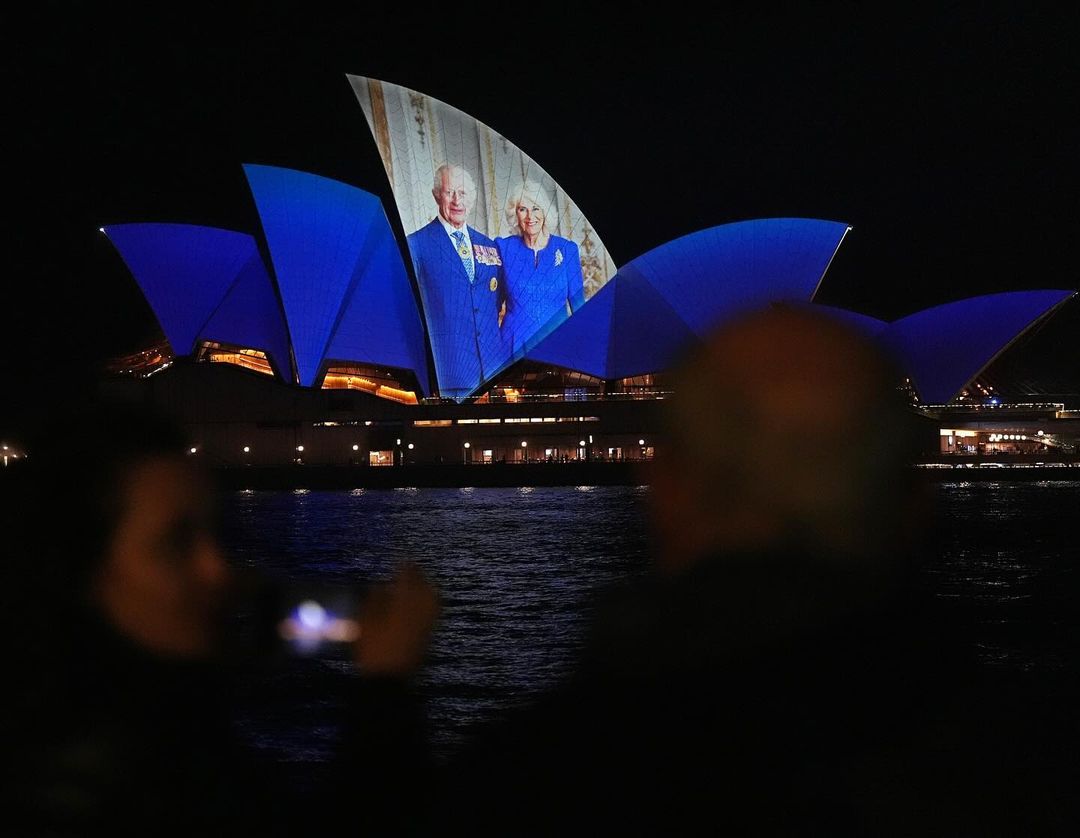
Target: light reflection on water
x=1006 y=555
x=518 y=568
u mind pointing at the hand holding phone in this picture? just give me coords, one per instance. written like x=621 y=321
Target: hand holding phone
x=396 y=620
x=310 y=624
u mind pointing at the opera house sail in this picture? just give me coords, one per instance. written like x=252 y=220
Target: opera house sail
x=509 y=283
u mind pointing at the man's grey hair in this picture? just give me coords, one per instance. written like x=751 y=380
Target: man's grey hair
x=436 y=183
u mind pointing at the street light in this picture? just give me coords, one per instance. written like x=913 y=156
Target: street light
x=300 y=448
x=464 y=452
x=247 y=449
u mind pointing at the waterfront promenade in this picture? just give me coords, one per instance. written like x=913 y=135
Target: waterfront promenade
x=619 y=473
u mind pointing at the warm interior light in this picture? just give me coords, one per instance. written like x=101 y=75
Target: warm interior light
x=249 y=359
x=339 y=379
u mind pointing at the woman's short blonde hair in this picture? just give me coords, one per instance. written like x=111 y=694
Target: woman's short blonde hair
x=540 y=197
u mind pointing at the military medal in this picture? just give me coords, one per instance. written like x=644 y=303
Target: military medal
x=486 y=255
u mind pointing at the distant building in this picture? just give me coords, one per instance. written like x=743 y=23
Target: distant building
x=309 y=341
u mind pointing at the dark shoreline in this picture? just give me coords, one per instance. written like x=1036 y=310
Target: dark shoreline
x=540 y=474
x=430 y=476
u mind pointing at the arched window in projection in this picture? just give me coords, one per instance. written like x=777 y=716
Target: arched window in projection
x=502 y=255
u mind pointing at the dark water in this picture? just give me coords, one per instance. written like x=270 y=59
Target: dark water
x=518 y=569
x=1007 y=557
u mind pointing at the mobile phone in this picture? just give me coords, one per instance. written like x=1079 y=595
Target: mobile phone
x=312 y=622
x=303 y=618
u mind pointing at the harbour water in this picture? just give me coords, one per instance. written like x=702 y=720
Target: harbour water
x=518 y=568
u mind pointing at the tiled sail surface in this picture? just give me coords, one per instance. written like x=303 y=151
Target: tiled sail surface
x=345 y=291
x=945 y=347
x=674 y=295
x=184 y=271
x=416 y=134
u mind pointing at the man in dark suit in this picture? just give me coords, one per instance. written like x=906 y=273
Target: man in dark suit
x=461 y=287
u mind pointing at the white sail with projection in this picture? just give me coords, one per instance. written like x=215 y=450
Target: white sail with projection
x=504 y=258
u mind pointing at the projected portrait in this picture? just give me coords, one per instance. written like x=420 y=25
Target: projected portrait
x=462 y=287
x=501 y=253
x=542 y=270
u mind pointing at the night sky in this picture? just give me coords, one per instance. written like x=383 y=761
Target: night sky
x=945 y=141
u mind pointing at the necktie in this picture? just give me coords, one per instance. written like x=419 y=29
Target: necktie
x=463 y=252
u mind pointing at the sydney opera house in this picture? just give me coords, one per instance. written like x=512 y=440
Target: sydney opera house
x=510 y=335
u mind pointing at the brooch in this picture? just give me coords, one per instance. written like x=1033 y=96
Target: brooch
x=494 y=284
x=558 y=257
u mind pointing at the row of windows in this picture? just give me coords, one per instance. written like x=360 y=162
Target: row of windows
x=510 y=420
x=446 y=423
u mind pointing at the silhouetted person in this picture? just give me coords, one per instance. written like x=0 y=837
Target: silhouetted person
x=780 y=671
x=123 y=667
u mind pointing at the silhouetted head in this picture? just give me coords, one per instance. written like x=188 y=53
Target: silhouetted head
x=785 y=431
x=115 y=515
